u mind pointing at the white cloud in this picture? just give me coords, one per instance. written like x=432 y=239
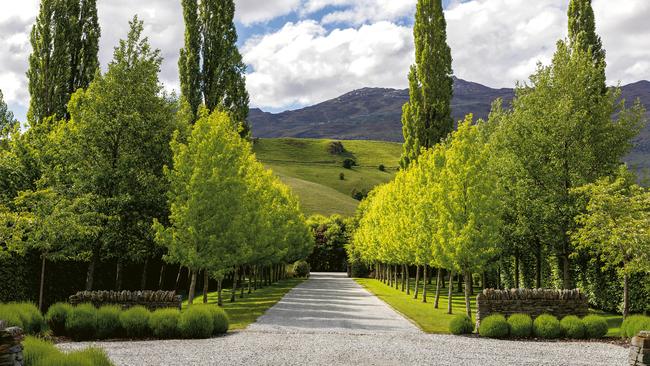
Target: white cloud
x=255 y=11
x=361 y=11
x=302 y=63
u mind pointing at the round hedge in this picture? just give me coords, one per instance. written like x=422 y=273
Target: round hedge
x=461 y=324
x=56 y=316
x=135 y=322
x=81 y=323
x=301 y=269
x=220 y=321
x=494 y=326
x=633 y=324
x=595 y=326
x=521 y=325
x=547 y=326
x=164 y=323
x=573 y=327
x=196 y=322
x=108 y=322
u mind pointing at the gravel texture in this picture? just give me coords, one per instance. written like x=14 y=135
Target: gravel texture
x=331 y=320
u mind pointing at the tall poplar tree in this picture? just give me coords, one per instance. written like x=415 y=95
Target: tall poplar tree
x=211 y=67
x=582 y=30
x=426 y=118
x=65 y=43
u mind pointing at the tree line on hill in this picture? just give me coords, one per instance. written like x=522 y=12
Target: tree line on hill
x=113 y=169
x=539 y=186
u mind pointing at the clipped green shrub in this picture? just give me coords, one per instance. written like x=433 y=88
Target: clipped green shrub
x=196 y=322
x=595 y=326
x=633 y=324
x=135 y=322
x=521 y=325
x=96 y=356
x=36 y=350
x=547 y=326
x=461 y=324
x=349 y=163
x=11 y=316
x=572 y=327
x=382 y=168
x=56 y=316
x=220 y=320
x=494 y=326
x=81 y=323
x=108 y=322
x=32 y=318
x=164 y=323
x=301 y=269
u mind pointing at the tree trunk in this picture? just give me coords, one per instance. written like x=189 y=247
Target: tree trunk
x=242 y=279
x=178 y=278
x=403 y=278
x=42 y=284
x=251 y=273
x=395 y=276
x=417 y=281
x=484 y=280
x=517 y=271
x=160 y=277
x=468 y=284
x=450 y=295
x=219 y=288
x=424 y=284
x=438 y=283
x=190 y=294
x=206 y=284
x=118 y=275
x=471 y=284
x=234 y=285
x=538 y=265
x=408 y=277
x=90 y=276
x=566 y=274
x=626 y=296
x=444 y=285
x=143 y=280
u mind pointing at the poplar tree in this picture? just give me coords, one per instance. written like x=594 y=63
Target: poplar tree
x=426 y=118
x=211 y=67
x=7 y=120
x=65 y=43
x=582 y=30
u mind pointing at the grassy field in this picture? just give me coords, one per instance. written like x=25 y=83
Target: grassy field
x=433 y=320
x=313 y=173
x=245 y=311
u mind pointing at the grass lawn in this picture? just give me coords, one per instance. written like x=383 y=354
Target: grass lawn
x=312 y=172
x=433 y=320
x=245 y=311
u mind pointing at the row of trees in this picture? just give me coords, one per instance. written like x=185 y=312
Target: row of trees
x=511 y=185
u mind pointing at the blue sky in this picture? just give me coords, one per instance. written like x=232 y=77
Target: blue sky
x=301 y=52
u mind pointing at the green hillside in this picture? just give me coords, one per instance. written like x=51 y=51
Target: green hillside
x=313 y=172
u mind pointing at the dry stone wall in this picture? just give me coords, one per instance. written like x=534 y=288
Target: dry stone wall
x=11 y=349
x=152 y=300
x=640 y=349
x=533 y=302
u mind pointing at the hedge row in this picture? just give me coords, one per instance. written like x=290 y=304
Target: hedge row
x=85 y=322
x=41 y=353
x=545 y=326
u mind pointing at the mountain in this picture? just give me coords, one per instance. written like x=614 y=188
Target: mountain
x=375 y=114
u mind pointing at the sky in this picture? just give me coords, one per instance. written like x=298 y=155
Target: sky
x=302 y=52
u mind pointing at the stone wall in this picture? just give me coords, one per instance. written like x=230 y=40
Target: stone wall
x=640 y=349
x=152 y=300
x=11 y=348
x=533 y=302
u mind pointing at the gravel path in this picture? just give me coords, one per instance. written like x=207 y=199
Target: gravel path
x=331 y=320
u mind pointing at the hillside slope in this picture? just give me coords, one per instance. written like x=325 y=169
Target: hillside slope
x=313 y=172
x=375 y=114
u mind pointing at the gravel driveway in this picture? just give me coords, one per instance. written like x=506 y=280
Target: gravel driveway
x=331 y=320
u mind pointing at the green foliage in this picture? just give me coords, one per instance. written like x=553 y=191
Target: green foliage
x=42 y=353
x=56 y=317
x=331 y=234
x=573 y=327
x=461 y=324
x=349 y=163
x=24 y=315
x=81 y=323
x=342 y=176
x=11 y=316
x=220 y=319
x=633 y=324
x=7 y=120
x=135 y=322
x=196 y=322
x=164 y=323
x=301 y=269
x=494 y=326
x=382 y=168
x=426 y=118
x=582 y=30
x=595 y=326
x=521 y=325
x=93 y=356
x=36 y=349
x=108 y=322
x=547 y=326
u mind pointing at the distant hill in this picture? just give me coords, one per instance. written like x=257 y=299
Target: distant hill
x=313 y=172
x=375 y=114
